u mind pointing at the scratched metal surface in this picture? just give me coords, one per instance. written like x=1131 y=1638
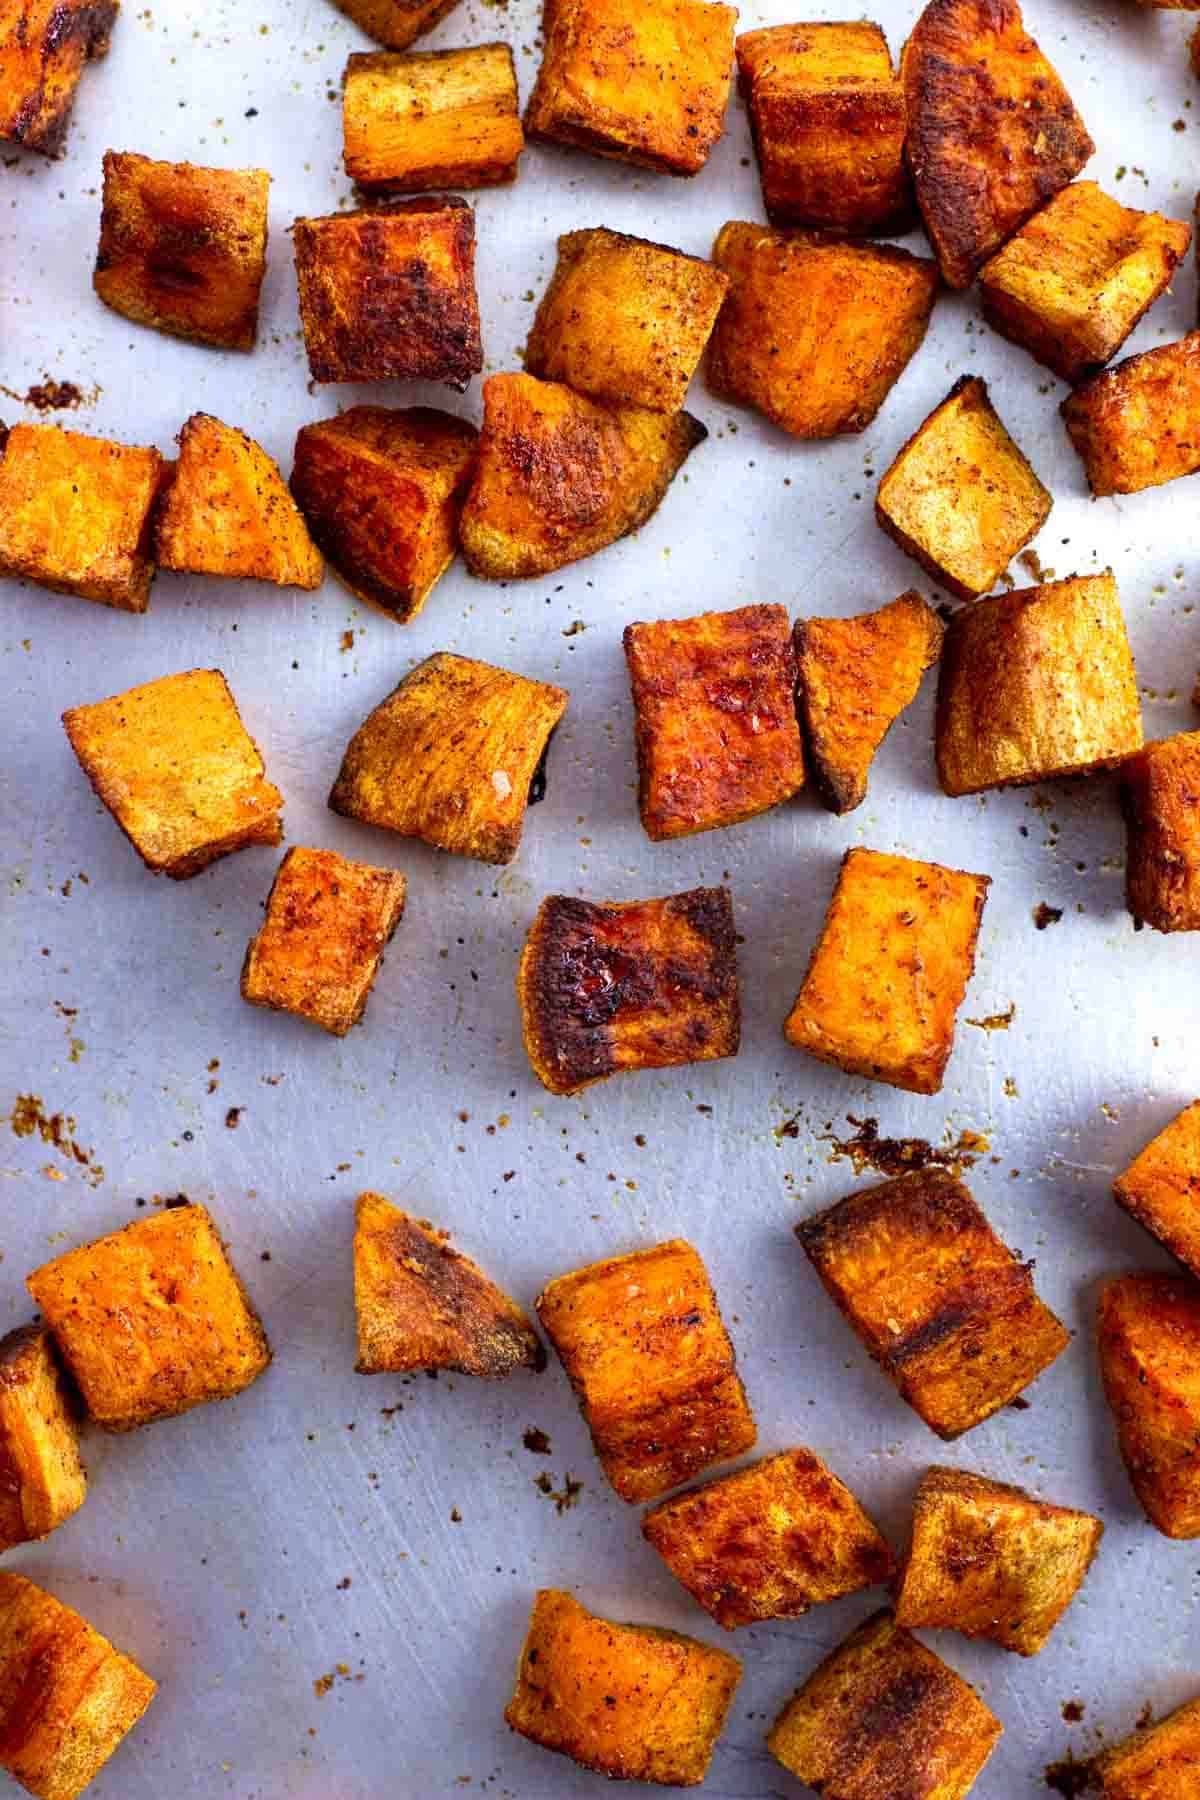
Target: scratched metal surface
x=246 y=1551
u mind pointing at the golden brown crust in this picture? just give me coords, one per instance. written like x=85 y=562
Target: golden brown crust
x=44 y=47
x=1160 y=795
x=1159 y=1762
x=434 y=120
x=42 y=1481
x=228 y=512
x=396 y=23
x=1138 y=425
x=1149 y=1338
x=1161 y=1187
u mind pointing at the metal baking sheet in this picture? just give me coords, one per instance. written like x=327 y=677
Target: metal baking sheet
x=391 y=1533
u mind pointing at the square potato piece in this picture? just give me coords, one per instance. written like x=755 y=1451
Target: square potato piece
x=1161 y=1187
x=889 y=971
x=1138 y=425
x=991 y=1561
x=435 y=119
x=228 y=512
x=67 y=1697
x=645 y=1348
x=770 y=1541
x=1158 y=1762
x=1149 y=1335
x=633 y=1702
x=1160 y=794
x=946 y=1310
x=396 y=23
x=183 y=249
x=178 y=771
x=814 y=333
x=42 y=1481
x=44 y=47
x=714 y=712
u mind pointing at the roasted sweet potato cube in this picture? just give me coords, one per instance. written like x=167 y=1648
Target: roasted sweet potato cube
x=450 y=756
x=1149 y=1333
x=1160 y=794
x=714 y=713
x=615 y=985
x=228 y=512
x=396 y=23
x=1161 y=1187
x=1194 y=59
x=633 y=1702
x=560 y=476
x=890 y=968
x=388 y=293
x=183 y=249
x=1158 y=1762
x=1138 y=425
x=437 y=119
x=645 y=1348
x=814 y=333
x=1036 y=684
x=67 y=1697
x=882 y=1717
x=178 y=771
x=769 y=1541
x=854 y=679
x=44 y=48
x=42 y=1481
x=318 y=950
x=946 y=1310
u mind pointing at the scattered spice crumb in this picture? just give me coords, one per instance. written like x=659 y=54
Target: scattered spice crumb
x=564 y=1498
x=1072 y=1711
x=1044 y=915
x=233 y=1117
x=996 y=1021
x=536 y=1441
x=896 y=1156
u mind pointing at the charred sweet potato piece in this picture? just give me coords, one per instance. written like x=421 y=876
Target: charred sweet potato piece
x=1149 y=1334
x=435 y=119
x=1159 y=1762
x=854 y=679
x=769 y=1541
x=645 y=1348
x=1194 y=59
x=717 y=736
x=42 y=1481
x=228 y=512
x=450 y=756
x=1138 y=425
x=1161 y=1187
x=44 y=47
x=1160 y=793
x=560 y=476
x=396 y=23
x=945 y=1309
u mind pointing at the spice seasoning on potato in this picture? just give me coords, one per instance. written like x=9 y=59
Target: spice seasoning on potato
x=431 y=120
x=45 y=45
x=1137 y=425
x=1149 y=1336
x=42 y=1481
x=396 y=23
x=1161 y=1187
x=1158 y=1762
x=1160 y=796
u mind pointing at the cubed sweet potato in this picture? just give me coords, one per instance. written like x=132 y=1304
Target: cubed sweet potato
x=396 y=23
x=1137 y=425
x=1159 y=1762
x=1160 y=794
x=435 y=119
x=1194 y=60
x=1161 y=1187
x=42 y=1481
x=1149 y=1335
x=227 y=511
x=44 y=47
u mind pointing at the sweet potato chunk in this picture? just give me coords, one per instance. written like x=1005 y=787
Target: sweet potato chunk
x=814 y=334
x=228 y=512
x=992 y=131
x=396 y=23
x=624 y=319
x=1159 y=1762
x=991 y=1561
x=634 y=984
x=1036 y=684
x=1149 y=1332
x=1160 y=794
x=645 y=1348
x=178 y=771
x=1161 y=1187
x=450 y=757
x=882 y=1717
x=717 y=736
x=1138 y=425
x=946 y=1310
x=44 y=48
x=769 y=1541
x=560 y=476
x=438 y=119
x=42 y=1481
x=633 y=1702
x=183 y=249
x=67 y=1697
x=854 y=679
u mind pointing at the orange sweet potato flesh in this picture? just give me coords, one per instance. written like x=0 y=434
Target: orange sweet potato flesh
x=44 y=48
x=440 y=119
x=1160 y=795
x=1161 y=1187
x=396 y=23
x=1158 y=1763
x=228 y=512
x=42 y=1480
x=1137 y=425
x=1149 y=1335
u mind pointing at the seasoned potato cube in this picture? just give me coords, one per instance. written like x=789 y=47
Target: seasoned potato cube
x=769 y=1541
x=1149 y=1332
x=396 y=23
x=814 y=334
x=228 y=512
x=183 y=249
x=1161 y=1187
x=67 y=1697
x=714 y=712
x=1194 y=59
x=633 y=1702
x=615 y=985
x=946 y=1310
x=42 y=1481
x=1138 y=425
x=44 y=47
x=560 y=476
x=645 y=1348
x=1160 y=794
x=854 y=679
x=178 y=771
x=1036 y=684
x=1158 y=1762
x=450 y=756
x=388 y=293
x=889 y=971
x=438 y=119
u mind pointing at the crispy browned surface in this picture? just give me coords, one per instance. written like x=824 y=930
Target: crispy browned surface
x=1159 y=1762
x=560 y=476
x=854 y=679
x=1194 y=59
x=227 y=511
x=1138 y=424
x=991 y=1561
x=388 y=293
x=1149 y=1335
x=396 y=23
x=769 y=1541
x=42 y=1481
x=1160 y=795
x=715 y=718
x=814 y=333
x=944 y=1308
x=992 y=132
x=637 y=984
x=435 y=119
x=450 y=756
x=633 y=1702
x=44 y=47
x=1161 y=1187
x=645 y=1348
x=1036 y=684
x=177 y=770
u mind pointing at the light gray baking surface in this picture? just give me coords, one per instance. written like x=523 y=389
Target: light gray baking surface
x=247 y=1550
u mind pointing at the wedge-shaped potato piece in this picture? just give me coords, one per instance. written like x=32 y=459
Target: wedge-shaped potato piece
x=854 y=679
x=769 y=1541
x=451 y=756
x=1161 y=1187
x=44 y=47
x=560 y=476
x=1138 y=425
x=945 y=1309
x=42 y=1481
x=1036 y=684
x=1159 y=1762
x=178 y=771
x=228 y=512
x=1149 y=1330
x=1160 y=794
x=714 y=712
x=992 y=131
x=396 y=23
x=183 y=249
x=645 y=1348
x=814 y=333
x=437 y=119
